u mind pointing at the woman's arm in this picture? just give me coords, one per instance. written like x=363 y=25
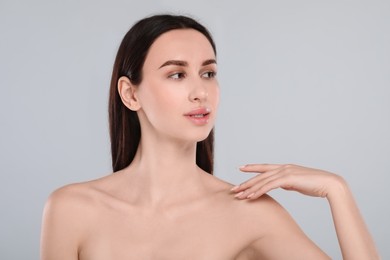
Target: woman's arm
x=61 y=226
x=354 y=238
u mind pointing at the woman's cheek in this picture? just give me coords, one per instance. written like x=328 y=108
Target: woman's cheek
x=216 y=96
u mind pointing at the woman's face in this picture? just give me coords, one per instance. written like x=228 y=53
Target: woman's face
x=179 y=91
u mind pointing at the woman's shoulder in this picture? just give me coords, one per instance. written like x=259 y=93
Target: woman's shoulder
x=263 y=222
x=73 y=194
x=70 y=213
x=68 y=202
x=77 y=198
x=255 y=219
x=259 y=209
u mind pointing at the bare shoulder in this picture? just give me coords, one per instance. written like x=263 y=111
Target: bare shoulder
x=79 y=196
x=67 y=218
x=72 y=195
x=69 y=206
x=268 y=229
x=252 y=207
x=71 y=214
x=276 y=234
x=261 y=211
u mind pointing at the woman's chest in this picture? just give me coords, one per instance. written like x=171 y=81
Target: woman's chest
x=207 y=235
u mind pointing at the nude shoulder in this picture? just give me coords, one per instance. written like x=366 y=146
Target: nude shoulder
x=75 y=194
x=252 y=207
x=69 y=216
x=273 y=228
x=262 y=210
x=265 y=206
x=69 y=202
x=79 y=194
x=262 y=223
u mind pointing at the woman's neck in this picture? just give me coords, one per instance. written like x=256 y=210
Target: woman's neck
x=165 y=170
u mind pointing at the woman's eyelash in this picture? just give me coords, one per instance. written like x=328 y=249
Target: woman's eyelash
x=209 y=74
x=181 y=75
x=177 y=75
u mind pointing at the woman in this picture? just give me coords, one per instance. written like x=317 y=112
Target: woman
x=163 y=201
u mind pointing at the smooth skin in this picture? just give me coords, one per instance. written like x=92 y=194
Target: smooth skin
x=353 y=235
x=163 y=206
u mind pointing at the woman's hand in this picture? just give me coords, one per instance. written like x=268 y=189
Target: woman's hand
x=312 y=182
x=354 y=238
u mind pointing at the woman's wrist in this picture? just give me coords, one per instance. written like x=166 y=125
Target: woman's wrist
x=338 y=188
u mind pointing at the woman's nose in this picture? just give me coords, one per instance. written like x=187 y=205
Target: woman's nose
x=198 y=92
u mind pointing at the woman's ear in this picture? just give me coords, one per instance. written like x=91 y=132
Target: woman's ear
x=128 y=94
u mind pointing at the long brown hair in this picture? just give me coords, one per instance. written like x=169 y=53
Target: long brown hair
x=125 y=129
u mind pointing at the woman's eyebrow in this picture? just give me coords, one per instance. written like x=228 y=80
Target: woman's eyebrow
x=208 y=62
x=174 y=62
x=185 y=64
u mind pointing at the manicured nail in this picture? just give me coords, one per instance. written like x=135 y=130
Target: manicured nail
x=242 y=166
x=238 y=194
x=235 y=188
x=250 y=195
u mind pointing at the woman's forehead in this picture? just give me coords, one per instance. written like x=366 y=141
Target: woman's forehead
x=180 y=44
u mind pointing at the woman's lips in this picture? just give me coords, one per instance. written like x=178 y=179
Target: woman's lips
x=199 y=116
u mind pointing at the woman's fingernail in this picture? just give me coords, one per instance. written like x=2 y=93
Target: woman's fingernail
x=238 y=194
x=242 y=166
x=235 y=188
x=250 y=195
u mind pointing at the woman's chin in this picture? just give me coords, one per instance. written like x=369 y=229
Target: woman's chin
x=203 y=137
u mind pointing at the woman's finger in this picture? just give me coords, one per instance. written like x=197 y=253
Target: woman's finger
x=272 y=185
x=263 y=167
x=257 y=188
x=252 y=181
x=279 y=181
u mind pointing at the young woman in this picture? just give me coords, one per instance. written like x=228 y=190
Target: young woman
x=163 y=201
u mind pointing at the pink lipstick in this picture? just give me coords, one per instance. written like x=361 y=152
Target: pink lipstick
x=199 y=116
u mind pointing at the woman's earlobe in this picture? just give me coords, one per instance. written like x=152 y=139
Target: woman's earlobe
x=128 y=93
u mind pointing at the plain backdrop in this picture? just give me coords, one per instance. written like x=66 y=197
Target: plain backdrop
x=305 y=82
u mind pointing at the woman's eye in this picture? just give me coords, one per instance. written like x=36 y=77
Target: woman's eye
x=209 y=74
x=178 y=75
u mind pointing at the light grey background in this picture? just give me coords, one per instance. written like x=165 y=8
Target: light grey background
x=303 y=82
